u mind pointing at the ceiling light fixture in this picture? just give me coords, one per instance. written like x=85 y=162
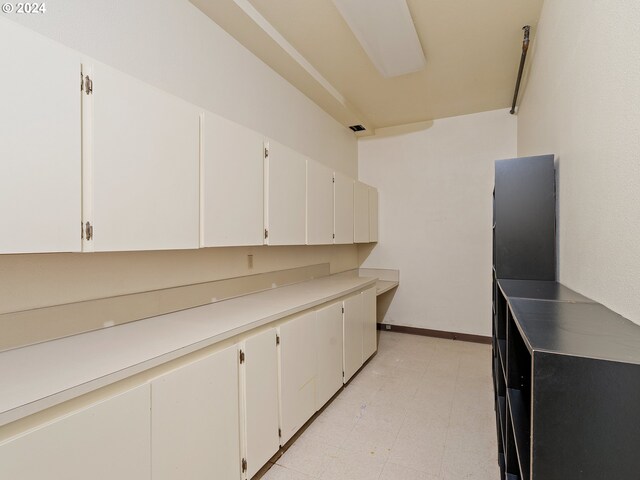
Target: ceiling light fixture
x=386 y=31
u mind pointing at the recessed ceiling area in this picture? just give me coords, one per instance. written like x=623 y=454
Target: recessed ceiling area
x=472 y=52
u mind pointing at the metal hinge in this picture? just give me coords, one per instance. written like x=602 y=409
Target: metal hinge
x=241 y=356
x=334 y=235
x=334 y=179
x=266 y=233
x=88 y=85
x=277 y=339
x=280 y=432
x=244 y=465
x=342 y=309
x=266 y=152
x=88 y=231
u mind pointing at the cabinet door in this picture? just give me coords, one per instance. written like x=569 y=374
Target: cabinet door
x=319 y=204
x=352 y=336
x=195 y=425
x=259 y=374
x=286 y=180
x=373 y=214
x=297 y=369
x=232 y=204
x=40 y=166
x=360 y=213
x=343 y=208
x=369 y=323
x=104 y=441
x=329 y=346
x=144 y=168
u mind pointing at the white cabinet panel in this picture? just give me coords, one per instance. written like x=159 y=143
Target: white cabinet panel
x=373 y=214
x=285 y=196
x=298 y=368
x=144 y=183
x=40 y=135
x=369 y=323
x=361 y=213
x=259 y=380
x=353 y=331
x=104 y=441
x=195 y=423
x=319 y=204
x=328 y=339
x=232 y=203
x=343 y=208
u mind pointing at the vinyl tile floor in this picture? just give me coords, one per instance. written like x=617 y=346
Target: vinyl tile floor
x=421 y=409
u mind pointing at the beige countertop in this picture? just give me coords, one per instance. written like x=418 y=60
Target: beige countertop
x=39 y=376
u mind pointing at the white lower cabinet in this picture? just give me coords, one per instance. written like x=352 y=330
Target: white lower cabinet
x=328 y=341
x=369 y=323
x=352 y=335
x=104 y=441
x=259 y=399
x=297 y=373
x=360 y=336
x=195 y=424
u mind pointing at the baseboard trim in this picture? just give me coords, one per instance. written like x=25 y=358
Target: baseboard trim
x=426 y=332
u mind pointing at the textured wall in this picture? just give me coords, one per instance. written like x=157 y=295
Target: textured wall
x=435 y=191
x=582 y=102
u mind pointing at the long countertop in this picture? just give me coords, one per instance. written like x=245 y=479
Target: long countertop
x=37 y=377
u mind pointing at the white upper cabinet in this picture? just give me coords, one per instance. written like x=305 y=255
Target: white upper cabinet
x=40 y=144
x=361 y=212
x=343 y=208
x=373 y=214
x=232 y=176
x=319 y=204
x=141 y=181
x=104 y=441
x=195 y=420
x=297 y=370
x=285 y=196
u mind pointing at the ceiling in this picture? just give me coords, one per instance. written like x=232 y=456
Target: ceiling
x=472 y=51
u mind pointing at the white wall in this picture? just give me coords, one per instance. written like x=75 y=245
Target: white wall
x=172 y=45
x=435 y=191
x=582 y=102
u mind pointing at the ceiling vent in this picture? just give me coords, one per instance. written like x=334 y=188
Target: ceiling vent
x=357 y=128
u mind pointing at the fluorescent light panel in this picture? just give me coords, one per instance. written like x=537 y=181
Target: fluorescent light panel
x=386 y=31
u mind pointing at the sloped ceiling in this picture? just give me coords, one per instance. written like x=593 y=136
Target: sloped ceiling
x=472 y=51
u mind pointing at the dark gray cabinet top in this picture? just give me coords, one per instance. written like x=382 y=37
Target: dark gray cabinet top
x=578 y=329
x=541 y=290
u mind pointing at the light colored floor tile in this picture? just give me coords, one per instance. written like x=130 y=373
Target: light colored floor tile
x=393 y=471
x=309 y=456
x=421 y=409
x=349 y=465
x=277 y=472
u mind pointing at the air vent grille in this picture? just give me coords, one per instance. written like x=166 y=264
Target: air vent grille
x=357 y=128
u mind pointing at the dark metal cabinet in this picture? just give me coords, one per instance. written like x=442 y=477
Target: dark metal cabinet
x=567 y=384
x=525 y=218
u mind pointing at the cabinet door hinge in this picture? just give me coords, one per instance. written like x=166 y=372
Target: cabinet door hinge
x=88 y=85
x=244 y=465
x=241 y=356
x=88 y=231
x=277 y=339
x=266 y=233
x=280 y=433
x=266 y=152
x=333 y=180
x=334 y=235
x=342 y=309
